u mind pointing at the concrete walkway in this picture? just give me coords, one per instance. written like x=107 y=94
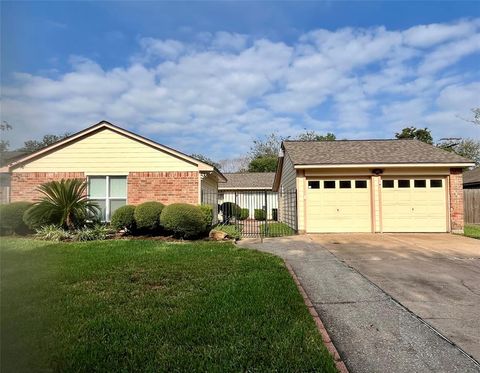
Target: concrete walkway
x=371 y=331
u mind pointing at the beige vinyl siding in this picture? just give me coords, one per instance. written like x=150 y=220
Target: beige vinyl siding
x=107 y=152
x=288 y=182
x=209 y=194
x=288 y=185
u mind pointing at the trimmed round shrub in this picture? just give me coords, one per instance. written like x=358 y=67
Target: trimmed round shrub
x=207 y=211
x=147 y=215
x=259 y=214
x=183 y=220
x=244 y=214
x=11 y=217
x=230 y=210
x=124 y=218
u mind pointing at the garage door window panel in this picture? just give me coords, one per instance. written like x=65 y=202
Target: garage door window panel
x=329 y=184
x=436 y=183
x=404 y=183
x=314 y=184
x=360 y=184
x=420 y=183
x=345 y=184
x=387 y=184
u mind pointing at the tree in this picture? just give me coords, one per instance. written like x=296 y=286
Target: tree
x=422 y=134
x=476 y=116
x=34 y=145
x=313 y=136
x=206 y=160
x=4 y=144
x=234 y=164
x=263 y=164
x=264 y=154
x=63 y=202
x=468 y=148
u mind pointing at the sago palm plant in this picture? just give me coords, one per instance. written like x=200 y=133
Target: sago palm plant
x=64 y=203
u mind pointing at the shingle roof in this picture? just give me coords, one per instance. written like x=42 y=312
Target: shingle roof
x=367 y=152
x=472 y=176
x=248 y=180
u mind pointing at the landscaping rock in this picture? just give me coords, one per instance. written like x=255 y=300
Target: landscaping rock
x=217 y=235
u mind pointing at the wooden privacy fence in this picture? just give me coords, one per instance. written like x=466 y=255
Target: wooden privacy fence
x=471 y=202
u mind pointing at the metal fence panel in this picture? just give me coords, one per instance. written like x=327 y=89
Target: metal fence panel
x=259 y=213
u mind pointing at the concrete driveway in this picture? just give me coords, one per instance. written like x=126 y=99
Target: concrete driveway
x=436 y=276
x=379 y=295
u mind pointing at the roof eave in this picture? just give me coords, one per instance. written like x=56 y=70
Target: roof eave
x=400 y=165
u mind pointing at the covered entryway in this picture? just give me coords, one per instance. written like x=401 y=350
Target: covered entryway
x=414 y=204
x=338 y=205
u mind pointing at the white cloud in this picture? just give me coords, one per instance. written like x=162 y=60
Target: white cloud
x=214 y=94
x=425 y=36
x=448 y=54
x=227 y=40
x=168 y=49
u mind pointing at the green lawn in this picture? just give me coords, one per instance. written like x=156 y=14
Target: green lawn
x=471 y=230
x=148 y=306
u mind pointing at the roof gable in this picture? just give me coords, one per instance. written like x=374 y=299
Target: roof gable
x=95 y=130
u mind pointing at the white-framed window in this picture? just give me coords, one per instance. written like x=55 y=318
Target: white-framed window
x=110 y=192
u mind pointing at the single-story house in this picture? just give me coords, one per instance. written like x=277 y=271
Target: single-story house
x=372 y=186
x=471 y=179
x=120 y=167
x=251 y=190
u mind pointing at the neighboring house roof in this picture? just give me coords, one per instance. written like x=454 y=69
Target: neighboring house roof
x=356 y=152
x=202 y=166
x=471 y=177
x=248 y=180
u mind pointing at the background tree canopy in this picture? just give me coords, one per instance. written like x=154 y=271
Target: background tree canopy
x=422 y=134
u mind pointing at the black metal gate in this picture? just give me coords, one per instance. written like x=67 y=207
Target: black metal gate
x=258 y=213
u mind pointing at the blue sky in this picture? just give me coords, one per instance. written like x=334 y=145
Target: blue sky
x=208 y=77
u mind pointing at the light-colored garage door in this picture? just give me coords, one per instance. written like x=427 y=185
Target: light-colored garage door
x=414 y=205
x=338 y=206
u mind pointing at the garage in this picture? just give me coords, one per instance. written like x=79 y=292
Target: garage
x=414 y=205
x=341 y=205
x=354 y=186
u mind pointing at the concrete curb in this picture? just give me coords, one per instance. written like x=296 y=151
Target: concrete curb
x=342 y=368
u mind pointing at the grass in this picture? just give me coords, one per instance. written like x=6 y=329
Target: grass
x=148 y=306
x=472 y=231
x=276 y=230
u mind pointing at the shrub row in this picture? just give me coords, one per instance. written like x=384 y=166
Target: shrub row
x=182 y=219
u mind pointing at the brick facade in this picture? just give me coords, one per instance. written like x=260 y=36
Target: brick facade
x=456 y=200
x=24 y=184
x=165 y=187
